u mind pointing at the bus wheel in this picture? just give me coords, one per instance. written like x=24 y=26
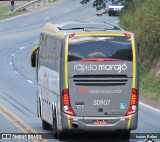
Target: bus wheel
x=45 y=125
x=124 y=135
x=55 y=131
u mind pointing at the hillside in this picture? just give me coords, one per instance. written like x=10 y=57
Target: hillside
x=142 y=17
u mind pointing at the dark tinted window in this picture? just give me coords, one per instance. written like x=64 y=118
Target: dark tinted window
x=100 y=47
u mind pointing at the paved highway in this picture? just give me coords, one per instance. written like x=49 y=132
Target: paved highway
x=18 y=36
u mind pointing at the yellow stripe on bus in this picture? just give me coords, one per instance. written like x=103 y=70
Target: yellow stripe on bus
x=134 y=63
x=69 y=122
x=129 y=122
x=133 y=73
x=66 y=63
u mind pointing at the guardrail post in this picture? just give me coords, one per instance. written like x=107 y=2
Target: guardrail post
x=46 y=2
x=41 y=3
x=30 y=7
x=36 y=5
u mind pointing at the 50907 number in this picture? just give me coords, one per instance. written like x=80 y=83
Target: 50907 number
x=101 y=102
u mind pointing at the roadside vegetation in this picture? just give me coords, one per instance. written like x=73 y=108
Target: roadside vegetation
x=5 y=12
x=142 y=17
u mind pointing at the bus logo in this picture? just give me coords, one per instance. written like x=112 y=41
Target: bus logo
x=93 y=67
x=82 y=90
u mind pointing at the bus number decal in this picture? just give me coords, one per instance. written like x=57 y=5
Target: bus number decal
x=101 y=102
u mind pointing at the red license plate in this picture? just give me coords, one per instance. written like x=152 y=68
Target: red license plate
x=99 y=122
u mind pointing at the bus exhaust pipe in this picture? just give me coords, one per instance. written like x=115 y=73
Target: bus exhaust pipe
x=75 y=125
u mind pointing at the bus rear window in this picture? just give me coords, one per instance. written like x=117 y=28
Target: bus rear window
x=81 y=48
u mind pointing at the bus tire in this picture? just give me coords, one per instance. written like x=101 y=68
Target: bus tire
x=55 y=131
x=39 y=108
x=124 y=135
x=45 y=125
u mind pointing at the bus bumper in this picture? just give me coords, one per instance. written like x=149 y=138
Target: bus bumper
x=112 y=123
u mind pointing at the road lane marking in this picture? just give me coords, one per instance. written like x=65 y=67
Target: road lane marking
x=20 y=33
x=148 y=106
x=46 y=18
x=68 y=10
x=21 y=125
x=117 y=21
x=15 y=72
x=22 y=47
x=29 y=81
x=12 y=54
x=36 y=42
x=10 y=63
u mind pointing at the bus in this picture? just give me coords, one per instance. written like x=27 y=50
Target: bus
x=87 y=78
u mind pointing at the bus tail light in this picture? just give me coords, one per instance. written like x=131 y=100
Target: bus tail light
x=133 y=102
x=127 y=35
x=71 y=36
x=66 y=103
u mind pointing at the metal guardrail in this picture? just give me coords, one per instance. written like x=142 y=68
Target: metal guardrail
x=31 y=3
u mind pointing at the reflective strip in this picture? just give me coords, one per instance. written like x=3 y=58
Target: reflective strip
x=66 y=75
x=134 y=63
x=129 y=122
x=133 y=73
x=69 y=122
x=66 y=63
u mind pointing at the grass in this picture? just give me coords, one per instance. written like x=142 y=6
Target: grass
x=149 y=86
x=5 y=12
x=142 y=18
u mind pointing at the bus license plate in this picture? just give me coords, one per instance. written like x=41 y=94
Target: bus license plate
x=99 y=122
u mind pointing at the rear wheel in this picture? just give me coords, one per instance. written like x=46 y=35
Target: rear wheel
x=45 y=125
x=55 y=130
x=124 y=135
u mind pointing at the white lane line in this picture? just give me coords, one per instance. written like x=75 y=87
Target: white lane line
x=36 y=42
x=68 y=10
x=155 y=109
x=15 y=72
x=12 y=54
x=46 y=18
x=117 y=21
x=22 y=47
x=29 y=81
x=10 y=63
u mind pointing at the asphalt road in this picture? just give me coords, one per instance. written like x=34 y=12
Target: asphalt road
x=18 y=36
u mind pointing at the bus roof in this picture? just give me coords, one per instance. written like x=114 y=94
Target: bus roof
x=82 y=27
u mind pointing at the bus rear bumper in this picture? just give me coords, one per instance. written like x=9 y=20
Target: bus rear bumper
x=87 y=123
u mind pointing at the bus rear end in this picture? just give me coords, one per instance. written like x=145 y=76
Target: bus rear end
x=101 y=91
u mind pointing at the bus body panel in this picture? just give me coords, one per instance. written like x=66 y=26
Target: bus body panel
x=100 y=93
x=92 y=96
x=113 y=123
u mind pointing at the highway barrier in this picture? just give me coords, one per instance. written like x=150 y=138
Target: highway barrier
x=34 y=4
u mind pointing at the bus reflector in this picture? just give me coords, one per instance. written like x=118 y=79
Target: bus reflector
x=133 y=102
x=127 y=35
x=71 y=35
x=66 y=103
